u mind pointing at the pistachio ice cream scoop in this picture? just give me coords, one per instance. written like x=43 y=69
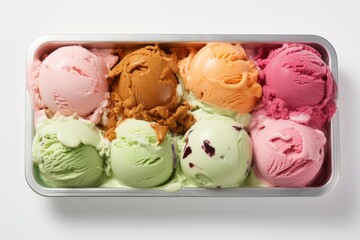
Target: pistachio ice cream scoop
x=68 y=152
x=141 y=156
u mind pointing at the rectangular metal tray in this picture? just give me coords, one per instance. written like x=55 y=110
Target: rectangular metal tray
x=248 y=41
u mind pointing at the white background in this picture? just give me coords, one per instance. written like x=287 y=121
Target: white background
x=26 y=215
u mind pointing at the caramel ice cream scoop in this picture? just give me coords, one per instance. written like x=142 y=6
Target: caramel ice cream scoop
x=146 y=76
x=144 y=86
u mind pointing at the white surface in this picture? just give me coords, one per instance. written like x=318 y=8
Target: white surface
x=25 y=215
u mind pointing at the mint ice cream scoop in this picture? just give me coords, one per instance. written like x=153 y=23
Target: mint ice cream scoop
x=137 y=158
x=216 y=153
x=68 y=152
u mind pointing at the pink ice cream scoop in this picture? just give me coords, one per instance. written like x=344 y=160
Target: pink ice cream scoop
x=298 y=85
x=287 y=154
x=72 y=80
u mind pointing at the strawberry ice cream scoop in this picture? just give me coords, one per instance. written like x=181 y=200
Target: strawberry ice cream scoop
x=298 y=85
x=288 y=154
x=72 y=80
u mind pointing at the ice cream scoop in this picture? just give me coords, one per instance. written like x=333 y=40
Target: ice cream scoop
x=216 y=153
x=145 y=87
x=66 y=159
x=137 y=157
x=146 y=76
x=298 y=85
x=287 y=154
x=221 y=74
x=71 y=80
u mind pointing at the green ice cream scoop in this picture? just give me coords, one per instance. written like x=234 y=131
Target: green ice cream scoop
x=137 y=158
x=216 y=153
x=67 y=153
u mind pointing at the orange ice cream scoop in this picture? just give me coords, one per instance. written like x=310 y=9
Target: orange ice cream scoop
x=146 y=77
x=221 y=74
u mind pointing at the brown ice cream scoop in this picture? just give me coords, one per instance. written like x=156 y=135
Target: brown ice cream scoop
x=146 y=76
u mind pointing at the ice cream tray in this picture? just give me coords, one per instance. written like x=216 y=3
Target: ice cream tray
x=250 y=42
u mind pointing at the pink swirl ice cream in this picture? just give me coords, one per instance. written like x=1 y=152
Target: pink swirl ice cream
x=287 y=154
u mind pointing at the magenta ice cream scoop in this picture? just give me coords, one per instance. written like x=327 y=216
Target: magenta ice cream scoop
x=298 y=85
